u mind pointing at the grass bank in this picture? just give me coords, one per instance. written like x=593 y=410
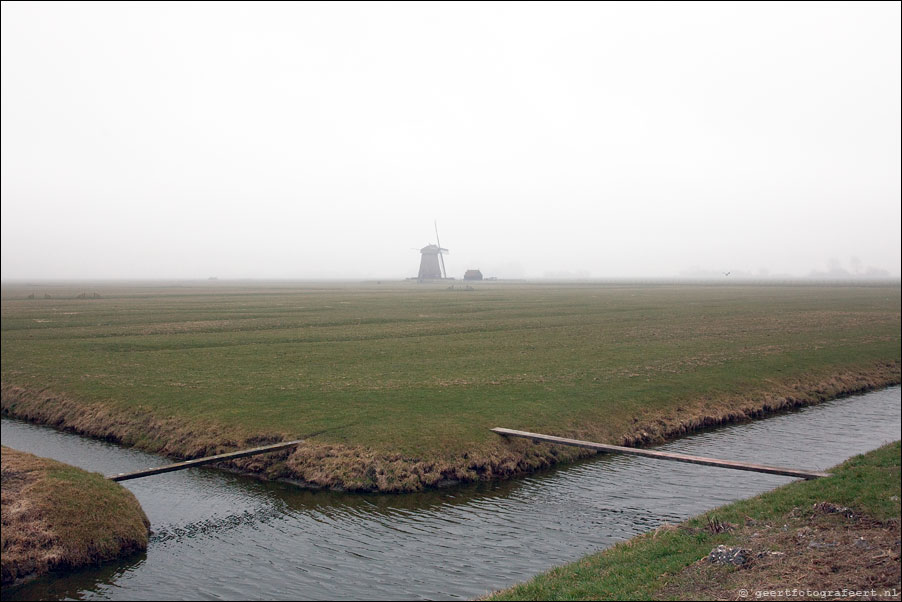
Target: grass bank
x=397 y=385
x=56 y=516
x=830 y=535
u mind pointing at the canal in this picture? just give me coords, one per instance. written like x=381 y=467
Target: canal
x=218 y=535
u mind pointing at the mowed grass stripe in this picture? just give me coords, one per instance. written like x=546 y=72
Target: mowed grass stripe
x=425 y=371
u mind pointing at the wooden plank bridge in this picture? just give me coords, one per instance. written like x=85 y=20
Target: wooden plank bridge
x=601 y=447
x=660 y=455
x=125 y=476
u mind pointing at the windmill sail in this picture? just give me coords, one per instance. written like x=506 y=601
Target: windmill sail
x=441 y=257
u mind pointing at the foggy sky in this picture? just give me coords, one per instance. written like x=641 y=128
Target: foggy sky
x=322 y=140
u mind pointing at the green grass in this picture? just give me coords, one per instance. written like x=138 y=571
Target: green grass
x=639 y=568
x=424 y=372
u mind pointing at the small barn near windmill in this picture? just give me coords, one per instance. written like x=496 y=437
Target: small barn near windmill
x=473 y=275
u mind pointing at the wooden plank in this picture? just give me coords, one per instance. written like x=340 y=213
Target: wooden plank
x=650 y=453
x=125 y=476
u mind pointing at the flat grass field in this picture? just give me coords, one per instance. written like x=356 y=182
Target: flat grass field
x=413 y=373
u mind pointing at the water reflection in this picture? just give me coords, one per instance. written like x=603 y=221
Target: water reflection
x=221 y=535
x=70 y=585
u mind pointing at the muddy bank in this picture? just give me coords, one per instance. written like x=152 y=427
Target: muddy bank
x=359 y=468
x=825 y=548
x=56 y=516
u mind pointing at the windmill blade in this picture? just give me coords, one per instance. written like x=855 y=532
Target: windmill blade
x=438 y=243
x=441 y=258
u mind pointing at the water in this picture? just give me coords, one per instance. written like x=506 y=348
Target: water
x=222 y=536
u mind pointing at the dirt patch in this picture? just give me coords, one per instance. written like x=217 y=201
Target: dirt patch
x=823 y=552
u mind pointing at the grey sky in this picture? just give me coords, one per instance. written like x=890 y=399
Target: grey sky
x=321 y=140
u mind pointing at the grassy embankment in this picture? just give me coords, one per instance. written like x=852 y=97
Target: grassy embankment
x=833 y=534
x=56 y=516
x=400 y=383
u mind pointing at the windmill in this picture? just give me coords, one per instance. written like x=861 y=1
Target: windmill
x=432 y=260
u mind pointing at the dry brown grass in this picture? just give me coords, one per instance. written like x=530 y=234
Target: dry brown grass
x=814 y=550
x=55 y=516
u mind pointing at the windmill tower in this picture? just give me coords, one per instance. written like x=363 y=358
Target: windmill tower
x=432 y=260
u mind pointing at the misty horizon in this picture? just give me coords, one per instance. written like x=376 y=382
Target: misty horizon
x=271 y=141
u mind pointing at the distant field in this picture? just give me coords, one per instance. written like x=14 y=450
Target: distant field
x=422 y=372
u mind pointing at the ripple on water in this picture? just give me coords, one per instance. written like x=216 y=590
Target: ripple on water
x=219 y=535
